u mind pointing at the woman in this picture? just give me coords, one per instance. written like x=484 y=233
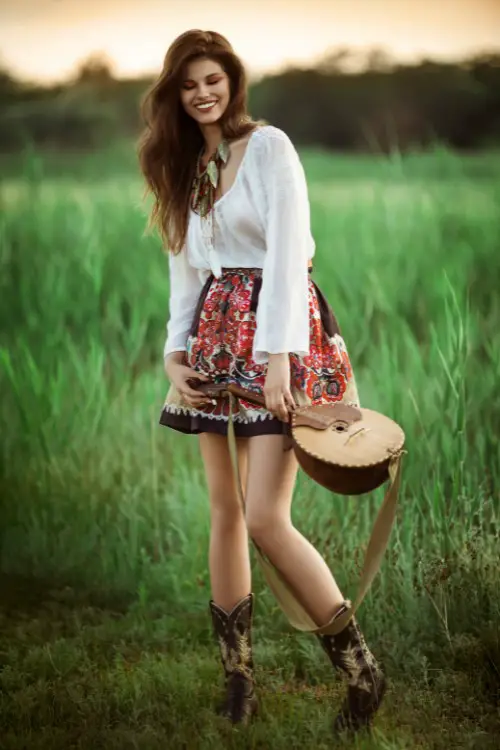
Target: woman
x=231 y=203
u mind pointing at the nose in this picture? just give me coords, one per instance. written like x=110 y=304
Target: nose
x=203 y=92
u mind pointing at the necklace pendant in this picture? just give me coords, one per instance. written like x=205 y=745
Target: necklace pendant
x=224 y=151
x=206 y=181
x=213 y=173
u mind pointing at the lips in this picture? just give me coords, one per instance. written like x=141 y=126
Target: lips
x=206 y=106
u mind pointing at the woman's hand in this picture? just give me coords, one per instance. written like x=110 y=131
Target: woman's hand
x=277 y=393
x=178 y=374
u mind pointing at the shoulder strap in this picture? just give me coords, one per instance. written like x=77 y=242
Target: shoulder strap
x=288 y=602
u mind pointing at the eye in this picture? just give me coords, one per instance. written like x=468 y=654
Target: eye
x=189 y=86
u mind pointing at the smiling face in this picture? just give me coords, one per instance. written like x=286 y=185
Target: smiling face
x=205 y=82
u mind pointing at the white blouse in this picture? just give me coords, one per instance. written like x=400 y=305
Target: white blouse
x=262 y=221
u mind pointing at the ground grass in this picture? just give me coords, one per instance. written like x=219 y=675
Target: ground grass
x=104 y=629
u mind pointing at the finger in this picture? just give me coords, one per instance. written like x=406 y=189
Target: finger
x=188 y=391
x=281 y=410
x=288 y=406
x=198 y=375
x=274 y=404
x=272 y=399
x=274 y=409
x=289 y=400
x=197 y=402
x=191 y=384
x=193 y=395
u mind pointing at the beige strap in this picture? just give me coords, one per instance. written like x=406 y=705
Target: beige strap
x=287 y=600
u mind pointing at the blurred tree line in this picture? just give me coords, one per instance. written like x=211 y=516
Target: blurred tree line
x=379 y=106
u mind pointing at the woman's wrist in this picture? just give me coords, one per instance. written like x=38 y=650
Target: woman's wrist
x=174 y=358
x=281 y=357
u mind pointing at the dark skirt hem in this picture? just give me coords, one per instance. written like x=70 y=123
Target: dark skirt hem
x=195 y=424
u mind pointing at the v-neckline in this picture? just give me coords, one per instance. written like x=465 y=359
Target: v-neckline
x=238 y=171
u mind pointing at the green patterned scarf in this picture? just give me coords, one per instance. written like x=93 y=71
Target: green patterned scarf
x=205 y=182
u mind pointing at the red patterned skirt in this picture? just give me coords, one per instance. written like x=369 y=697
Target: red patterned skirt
x=220 y=345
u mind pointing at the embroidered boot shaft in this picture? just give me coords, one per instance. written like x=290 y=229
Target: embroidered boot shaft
x=348 y=652
x=233 y=632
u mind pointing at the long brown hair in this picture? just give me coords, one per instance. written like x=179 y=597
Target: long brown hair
x=171 y=141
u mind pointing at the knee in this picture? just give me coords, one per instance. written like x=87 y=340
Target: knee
x=225 y=510
x=261 y=525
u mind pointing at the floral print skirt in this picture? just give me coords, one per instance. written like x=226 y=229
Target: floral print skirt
x=220 y=344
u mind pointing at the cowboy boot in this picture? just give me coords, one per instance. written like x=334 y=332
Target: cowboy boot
x=233 y=631
x=348 y=652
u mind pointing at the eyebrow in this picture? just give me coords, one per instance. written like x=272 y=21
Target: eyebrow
x=216 y=73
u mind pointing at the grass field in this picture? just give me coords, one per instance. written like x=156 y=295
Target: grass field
x=105 y=639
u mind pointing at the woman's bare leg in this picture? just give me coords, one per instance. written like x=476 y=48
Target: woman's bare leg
x=229 y=560
x=271 y=479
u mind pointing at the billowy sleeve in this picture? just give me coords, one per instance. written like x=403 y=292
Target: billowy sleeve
x=185 y=286
x=283 y=307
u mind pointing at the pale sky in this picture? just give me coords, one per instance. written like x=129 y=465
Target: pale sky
x=46 y=39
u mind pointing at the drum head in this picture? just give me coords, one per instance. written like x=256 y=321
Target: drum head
x=367 y=441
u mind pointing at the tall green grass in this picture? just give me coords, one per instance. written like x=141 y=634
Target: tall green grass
x=97 y=496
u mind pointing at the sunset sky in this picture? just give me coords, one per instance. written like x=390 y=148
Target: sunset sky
x=46 y=39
